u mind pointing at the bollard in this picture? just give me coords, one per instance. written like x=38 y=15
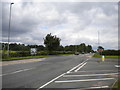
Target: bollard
x=103 y=58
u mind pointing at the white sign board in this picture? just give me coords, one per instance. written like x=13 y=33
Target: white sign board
x=33 y=51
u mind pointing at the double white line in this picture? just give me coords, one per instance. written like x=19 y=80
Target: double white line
x=78 y=67
x=83 y=63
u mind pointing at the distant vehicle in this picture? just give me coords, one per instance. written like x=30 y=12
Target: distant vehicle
x=76 y=53
x=83 y=53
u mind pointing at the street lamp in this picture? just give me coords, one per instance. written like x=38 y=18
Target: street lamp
x=9 y=28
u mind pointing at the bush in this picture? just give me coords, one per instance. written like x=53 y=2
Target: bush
x=42 y=53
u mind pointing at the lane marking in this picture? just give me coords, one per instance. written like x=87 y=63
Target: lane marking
x=74 y=68
x=61 y=75
x=77 y=66
x=51 y=81
x=117 y=66
x=68 y=81
x=90 y=75
x=97 y=87
x=17 y=71
x=95 y=71
x=80 y=67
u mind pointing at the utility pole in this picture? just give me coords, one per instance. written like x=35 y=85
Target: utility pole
x=98 y=39
x=9 y=29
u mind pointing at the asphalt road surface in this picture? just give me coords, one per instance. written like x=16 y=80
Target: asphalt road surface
x=70 y=71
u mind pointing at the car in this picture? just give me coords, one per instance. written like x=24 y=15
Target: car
x=76 y=53
x=83 y=53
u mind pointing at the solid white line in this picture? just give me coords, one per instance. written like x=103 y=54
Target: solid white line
x=98 y=87
x=67 y=81
x=51 y=81
x=94 y=71
x=90 y=75
x=77 y=66
x=74 y=68
x=80 y=67
x=16 y=72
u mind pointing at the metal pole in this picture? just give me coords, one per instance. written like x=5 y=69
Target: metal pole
x=9 y=28
x=98 y=39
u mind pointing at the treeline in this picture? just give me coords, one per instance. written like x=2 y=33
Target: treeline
x=111 y=52
x=22 y=50
x=52 y=47
x=22 y=47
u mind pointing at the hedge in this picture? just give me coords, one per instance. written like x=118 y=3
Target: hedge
x=111 y=52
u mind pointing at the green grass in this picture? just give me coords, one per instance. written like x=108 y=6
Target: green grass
x=97 y=55
x=29 y=57
x=112 y=57
x=100 y=56
x=117 y=85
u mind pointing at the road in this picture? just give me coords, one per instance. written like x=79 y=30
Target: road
x=70 y=71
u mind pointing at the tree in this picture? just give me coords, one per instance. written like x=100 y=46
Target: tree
x=51 y=42
x=82 y=47
x=89 y=48
x=100 y=47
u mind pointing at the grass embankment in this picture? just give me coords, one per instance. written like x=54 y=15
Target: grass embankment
x=99 y=56
x=30 y=57
x=117 y=85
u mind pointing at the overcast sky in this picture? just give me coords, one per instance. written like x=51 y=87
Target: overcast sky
x=72 y=22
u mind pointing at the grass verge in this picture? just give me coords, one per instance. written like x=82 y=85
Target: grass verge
x=112 y=57
x=117 y=85
x=29 y=57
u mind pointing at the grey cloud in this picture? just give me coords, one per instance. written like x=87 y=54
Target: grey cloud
x=62 y=19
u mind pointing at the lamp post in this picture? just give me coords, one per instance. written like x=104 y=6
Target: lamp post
x=9 y=28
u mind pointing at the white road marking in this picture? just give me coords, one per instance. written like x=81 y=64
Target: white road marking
x=17 y=71
x=80 y=67
x=61 y=75
x=51 y=81
x=74 y=68
x=97 y=87
x=117 y=65
x=68 y=81
x=95 y=71
x=90 y=75
x=77 y=66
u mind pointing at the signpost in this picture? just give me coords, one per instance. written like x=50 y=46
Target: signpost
x=33 y=51
x=103 y=58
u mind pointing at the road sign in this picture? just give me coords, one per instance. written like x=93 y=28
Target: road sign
x=33 y=51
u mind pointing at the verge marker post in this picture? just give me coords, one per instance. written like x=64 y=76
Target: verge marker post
x=103 y=58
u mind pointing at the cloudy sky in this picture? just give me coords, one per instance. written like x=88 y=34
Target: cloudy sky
x=73 y=22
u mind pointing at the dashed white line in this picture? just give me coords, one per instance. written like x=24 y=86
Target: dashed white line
x=80 y=67
x=17 y=71
x=68 y=81
x=90 y=75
